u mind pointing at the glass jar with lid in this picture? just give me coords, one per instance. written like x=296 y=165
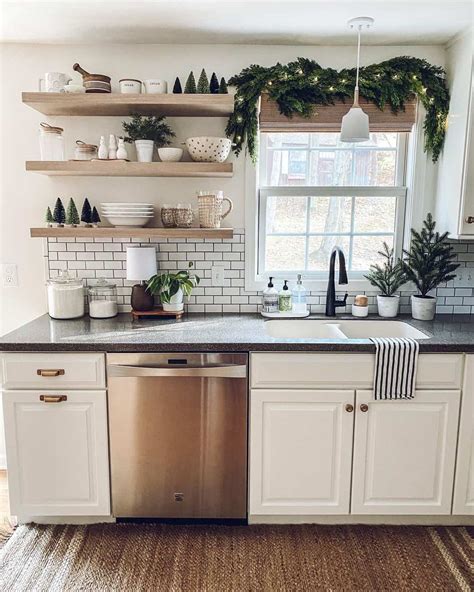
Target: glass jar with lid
x=103 y=300
x=65 y=297
x=51 y=142
x=85 y=151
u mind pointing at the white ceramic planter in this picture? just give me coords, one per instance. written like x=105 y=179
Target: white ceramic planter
x=144 y=150
x=388 y=305
x=176 y=302
x=423 y=309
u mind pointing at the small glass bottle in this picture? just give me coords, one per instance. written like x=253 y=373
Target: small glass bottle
x=299 y=296
x=270 y=298
x=284 y=298
x=103 y=300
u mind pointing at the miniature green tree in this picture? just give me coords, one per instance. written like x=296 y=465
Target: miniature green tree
x=177 y=89
x=72 y=216
x=49 y=217
x=86 y=214
x=214 y=84
x=389 y=276
x=203 y=83
x=190 y=86
x=95 y=218
x=148 y=128
x=59 y=214
x=223 y=90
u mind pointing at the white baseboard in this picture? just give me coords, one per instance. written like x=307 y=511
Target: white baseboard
x=65 y=519
x=400 y=520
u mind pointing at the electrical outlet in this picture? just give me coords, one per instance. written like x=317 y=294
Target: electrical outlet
x=464 y=278
x=218 y=272
x=9 y=275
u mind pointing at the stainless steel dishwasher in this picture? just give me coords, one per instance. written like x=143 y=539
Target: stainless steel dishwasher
x=178 y=435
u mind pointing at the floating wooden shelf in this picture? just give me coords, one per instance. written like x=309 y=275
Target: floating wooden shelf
x=116 y=104
x=121 y=168
x=111 y=232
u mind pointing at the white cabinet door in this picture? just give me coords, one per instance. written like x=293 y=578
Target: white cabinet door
x=300 y=451
x=464 y=484
x=404 y=453
x=57 y=453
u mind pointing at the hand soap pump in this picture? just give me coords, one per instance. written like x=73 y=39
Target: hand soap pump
x=299 y=297
x=270 y=298
x=284 y=298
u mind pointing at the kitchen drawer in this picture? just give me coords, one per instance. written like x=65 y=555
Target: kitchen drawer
x=341 y=370
x=53 y=371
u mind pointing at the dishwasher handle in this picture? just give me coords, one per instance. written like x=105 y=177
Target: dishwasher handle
x=224 y=371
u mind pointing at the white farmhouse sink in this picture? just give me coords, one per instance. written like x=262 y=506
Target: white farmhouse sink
x=322 y=329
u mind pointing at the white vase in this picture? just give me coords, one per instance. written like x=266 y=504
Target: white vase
x=144 y=150
x=388 y=305
x=176 y=302
x=423 y=309
x=121 y=150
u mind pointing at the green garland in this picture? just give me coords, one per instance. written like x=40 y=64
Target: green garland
x=300 y=85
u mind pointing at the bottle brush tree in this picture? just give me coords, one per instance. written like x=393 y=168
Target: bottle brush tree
x=72 y=216
x=190 y=86
x=389 y=276
x=95 y=218
x=148 y=128
x=203 y=83
x=223 y=90
x=86 y=213
x=49 y=217
x=59 y=213
x=177 y=90
x=214 y=84
x=430 y=260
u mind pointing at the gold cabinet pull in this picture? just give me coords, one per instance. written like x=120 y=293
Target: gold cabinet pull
x=470 y=220
x=51 y=372
x=349 y=408
x=53 y=398
x=364 y=408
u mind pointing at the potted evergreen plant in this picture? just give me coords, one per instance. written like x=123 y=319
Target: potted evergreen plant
x=147 y=132
x=172 y=287
x=388 y=278
x=428 y=263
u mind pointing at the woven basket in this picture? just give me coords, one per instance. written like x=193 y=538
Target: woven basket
x=167 y=217
x=183 y=217
x=210 y=210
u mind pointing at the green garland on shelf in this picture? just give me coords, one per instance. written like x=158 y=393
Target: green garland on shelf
x=303 y=84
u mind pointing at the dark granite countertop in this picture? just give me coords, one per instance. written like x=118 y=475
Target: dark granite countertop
x=239 y=333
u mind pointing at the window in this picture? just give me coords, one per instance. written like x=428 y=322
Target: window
x=317 y=192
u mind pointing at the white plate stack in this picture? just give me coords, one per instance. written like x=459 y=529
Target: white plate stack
x=127 y=214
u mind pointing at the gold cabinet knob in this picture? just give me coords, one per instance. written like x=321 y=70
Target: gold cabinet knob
x=364 y=408
x=349 y=408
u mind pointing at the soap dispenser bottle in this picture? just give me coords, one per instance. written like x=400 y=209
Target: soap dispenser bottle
x=299 y=297
x=284 y=298
x=270 y=298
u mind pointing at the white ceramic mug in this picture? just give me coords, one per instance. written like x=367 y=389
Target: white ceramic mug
x=154 y=86
x=53 y=82
x=130 y=86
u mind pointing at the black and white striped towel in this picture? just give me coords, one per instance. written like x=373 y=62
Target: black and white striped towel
x=396 y=361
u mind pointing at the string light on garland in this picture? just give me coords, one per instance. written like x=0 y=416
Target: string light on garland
x=315 y=79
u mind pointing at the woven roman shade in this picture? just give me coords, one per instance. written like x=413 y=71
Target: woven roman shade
x=327 y=118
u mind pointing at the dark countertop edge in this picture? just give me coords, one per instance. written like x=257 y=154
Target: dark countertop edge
x=348 y=347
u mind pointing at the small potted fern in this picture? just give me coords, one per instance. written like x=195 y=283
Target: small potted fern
x=172 y=287
x=388 y=278
x=428 y=263
x=147 y=132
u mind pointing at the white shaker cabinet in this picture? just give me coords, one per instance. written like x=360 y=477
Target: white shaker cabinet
x=404 y=453
x=300 y=451
x=464 y=484
x=57 y=452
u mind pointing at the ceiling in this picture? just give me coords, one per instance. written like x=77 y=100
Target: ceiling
x=279 y=22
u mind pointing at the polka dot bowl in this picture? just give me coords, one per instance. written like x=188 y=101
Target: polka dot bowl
x=208 y=149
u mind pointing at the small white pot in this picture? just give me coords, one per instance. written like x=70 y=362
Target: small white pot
x=388 y=305
x=176 y=302
x=170 y=154
x=423 y=309
x=144 y=150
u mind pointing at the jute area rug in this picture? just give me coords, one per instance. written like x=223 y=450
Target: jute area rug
x=136 y=557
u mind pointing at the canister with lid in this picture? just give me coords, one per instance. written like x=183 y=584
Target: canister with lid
x=85 y=151
x=65 y=297
x=51 y=142
x=103 y=300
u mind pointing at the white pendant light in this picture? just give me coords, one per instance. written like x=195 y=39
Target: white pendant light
x=355 y=123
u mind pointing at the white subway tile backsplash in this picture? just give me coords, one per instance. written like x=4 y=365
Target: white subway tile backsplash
x=91 y=259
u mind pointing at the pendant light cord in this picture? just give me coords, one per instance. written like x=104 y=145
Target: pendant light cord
x=356 y=90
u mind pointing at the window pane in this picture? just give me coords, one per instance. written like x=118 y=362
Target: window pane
x=374 y=167
x=285 y=253
x=286 y=214
x=286 y=167
x=319 y=250
x=374 y=214
x=365 y=251
x=331 y=167
x=330 y=214
x=381 y=140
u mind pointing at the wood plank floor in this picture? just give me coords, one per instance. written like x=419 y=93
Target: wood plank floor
x=4 y=507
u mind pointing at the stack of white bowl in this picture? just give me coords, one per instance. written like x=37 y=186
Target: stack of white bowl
x=127 y=214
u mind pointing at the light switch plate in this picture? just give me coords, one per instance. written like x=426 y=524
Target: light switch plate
x=218 y=273
x=9 y=275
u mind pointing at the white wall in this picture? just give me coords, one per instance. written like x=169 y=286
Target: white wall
x=24 y=197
